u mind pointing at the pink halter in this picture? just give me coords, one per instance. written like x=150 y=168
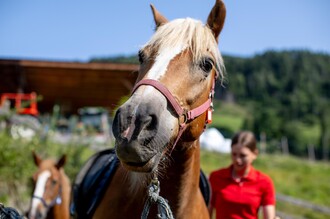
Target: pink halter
x=181 y=112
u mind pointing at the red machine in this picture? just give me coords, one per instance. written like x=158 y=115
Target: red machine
x=23 y=103
x=18 y=114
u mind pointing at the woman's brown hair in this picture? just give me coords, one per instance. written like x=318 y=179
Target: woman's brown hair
x=246 y=139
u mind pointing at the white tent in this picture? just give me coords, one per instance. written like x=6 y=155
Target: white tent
x=213 y=140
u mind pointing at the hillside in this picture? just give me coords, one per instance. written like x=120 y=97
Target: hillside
x=287 y=95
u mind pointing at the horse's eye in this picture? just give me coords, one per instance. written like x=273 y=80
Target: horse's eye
x=54 y=182
x=206 y=65
x=141 y=57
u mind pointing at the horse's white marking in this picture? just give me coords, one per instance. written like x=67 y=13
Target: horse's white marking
x=161 y=62
x=40 y=189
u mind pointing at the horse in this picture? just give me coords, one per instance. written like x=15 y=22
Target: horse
x=157 y=129
x=52 y=188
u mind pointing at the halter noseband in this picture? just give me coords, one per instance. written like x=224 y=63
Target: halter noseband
x=56 y=201
x=181 y=112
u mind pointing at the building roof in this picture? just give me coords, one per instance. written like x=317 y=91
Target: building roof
x=72 y=85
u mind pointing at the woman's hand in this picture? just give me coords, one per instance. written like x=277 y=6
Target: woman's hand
x=269 y=212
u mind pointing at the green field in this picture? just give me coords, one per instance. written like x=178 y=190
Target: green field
x=228 y=117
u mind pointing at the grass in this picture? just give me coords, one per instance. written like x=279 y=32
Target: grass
x=228 y=116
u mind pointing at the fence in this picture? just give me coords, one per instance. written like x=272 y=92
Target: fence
x=300 y=203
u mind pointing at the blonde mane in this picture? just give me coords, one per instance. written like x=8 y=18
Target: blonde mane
x=191 y=34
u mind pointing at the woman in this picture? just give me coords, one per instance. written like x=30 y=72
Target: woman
x=239 y=190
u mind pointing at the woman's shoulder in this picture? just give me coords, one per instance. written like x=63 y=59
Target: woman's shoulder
x=263 y=177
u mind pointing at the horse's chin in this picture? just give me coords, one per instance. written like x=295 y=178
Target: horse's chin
x=145 y=167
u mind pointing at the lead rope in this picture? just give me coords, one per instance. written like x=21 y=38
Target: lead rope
x=9 y=213
x=164 y=210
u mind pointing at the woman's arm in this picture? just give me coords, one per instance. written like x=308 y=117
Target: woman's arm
x=269 y=211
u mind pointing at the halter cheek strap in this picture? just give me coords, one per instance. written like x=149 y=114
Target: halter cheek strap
x=181 y=112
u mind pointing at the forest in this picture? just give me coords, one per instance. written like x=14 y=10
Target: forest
x=284 y=96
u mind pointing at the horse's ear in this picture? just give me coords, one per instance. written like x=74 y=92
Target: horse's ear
x=159 y=19
x=61 y=162
x=36 y=158
x=217 y=17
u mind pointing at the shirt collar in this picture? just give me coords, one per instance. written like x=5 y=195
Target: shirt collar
x=252 y=175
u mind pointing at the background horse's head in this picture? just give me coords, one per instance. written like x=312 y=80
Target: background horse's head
x=182 y=59
x=47 y=186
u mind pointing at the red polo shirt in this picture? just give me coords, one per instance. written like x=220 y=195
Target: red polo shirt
x=240 y=200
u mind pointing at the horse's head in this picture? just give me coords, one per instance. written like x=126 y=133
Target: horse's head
x=178 y=68
x=47 y=186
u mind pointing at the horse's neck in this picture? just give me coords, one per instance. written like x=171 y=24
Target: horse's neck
x=181 y=183
x=66 y=188
x=61 y=211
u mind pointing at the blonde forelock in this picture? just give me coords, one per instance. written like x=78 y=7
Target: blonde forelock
x=190 y=34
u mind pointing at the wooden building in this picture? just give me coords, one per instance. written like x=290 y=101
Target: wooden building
x=69 y=84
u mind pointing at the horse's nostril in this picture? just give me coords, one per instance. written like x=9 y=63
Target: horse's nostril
x=116 y=124
x=151 y=122
x=122 y=140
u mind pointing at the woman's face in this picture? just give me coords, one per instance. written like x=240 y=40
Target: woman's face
x=242 y=157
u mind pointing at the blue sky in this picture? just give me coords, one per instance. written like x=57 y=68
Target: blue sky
x=72 y=30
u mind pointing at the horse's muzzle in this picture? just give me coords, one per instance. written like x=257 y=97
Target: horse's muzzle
x=134 y=133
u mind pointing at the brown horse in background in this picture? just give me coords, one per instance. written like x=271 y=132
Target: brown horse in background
x=52 y=188
x=157 y=129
